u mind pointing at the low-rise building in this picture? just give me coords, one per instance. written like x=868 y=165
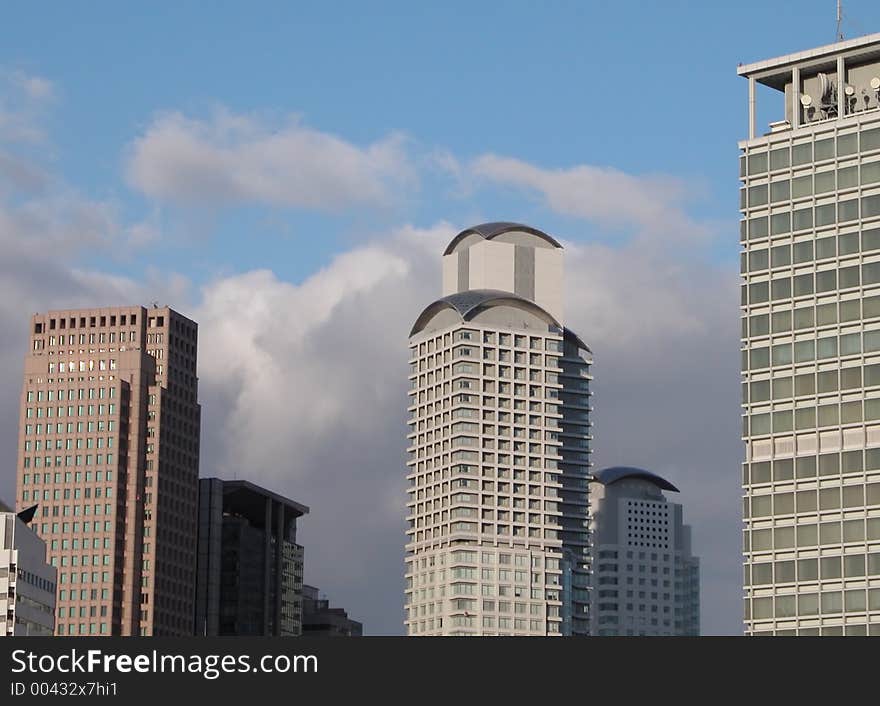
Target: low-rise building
x=27 y=581
x=320 y=620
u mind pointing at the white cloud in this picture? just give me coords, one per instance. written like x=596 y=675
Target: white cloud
x=140 y=235
x=234 y=159
x=304 y=390
x=18 y=175
x=36 y=88
x=305 y=360
x=41 y=215
x=48 y=231
x=22 y=97
x=603 y=195
x=58 y=222
x=303 y=386
x=40 y=269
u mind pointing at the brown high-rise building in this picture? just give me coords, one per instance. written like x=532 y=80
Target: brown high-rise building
x=109 y=450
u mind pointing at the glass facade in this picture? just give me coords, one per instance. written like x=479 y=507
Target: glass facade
x=250 y=567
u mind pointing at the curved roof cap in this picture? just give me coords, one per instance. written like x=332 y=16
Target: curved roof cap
x=577 y=340
x=488 y=231
x=607 y=476
x=466 y=303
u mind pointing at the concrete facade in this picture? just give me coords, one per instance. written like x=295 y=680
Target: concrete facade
x=521 y=260
x=27 y=580
x=109 y=449
x=810 y=263
x=646 y=580
x=499 y=446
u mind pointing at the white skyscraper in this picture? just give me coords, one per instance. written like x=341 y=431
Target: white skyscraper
x=646 y=580
x=499 y=446
x=810 y=262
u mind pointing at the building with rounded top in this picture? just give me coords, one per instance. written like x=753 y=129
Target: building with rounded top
x=499 y=445
x=646 y=580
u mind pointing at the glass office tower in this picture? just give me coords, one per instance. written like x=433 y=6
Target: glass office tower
x=810 y=262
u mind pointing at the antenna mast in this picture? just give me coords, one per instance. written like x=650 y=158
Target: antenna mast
x=839 y=20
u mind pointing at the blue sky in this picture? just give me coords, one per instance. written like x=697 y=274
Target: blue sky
x=288 y=173
x=643 y=87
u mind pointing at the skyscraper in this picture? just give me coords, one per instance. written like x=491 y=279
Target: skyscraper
x=109 y=448
x=810 y=236
x=646 y=580
x=499 y=453
x=250 y=568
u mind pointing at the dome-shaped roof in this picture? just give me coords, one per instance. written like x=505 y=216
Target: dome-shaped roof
x=570 y=335
x=488 y=231
x=607 y=476
x=468 y=302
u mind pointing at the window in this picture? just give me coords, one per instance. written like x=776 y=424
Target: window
x=759 y=227
x=780 y=256
x=780 y=223
x=759 y=292
x=802 y=154
x=826 y=281
x=757 y=163
x=802 y=219
x=779 y=158
x=847 y=210
x=780 y=190
x=825 y=215
x=780 y=288
x=758 y=195
x=870 y=206
x=823 y=149
x=870 y=173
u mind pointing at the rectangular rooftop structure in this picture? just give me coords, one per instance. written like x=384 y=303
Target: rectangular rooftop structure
x=831 y=82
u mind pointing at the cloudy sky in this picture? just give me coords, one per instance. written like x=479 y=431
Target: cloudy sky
x=288 y=175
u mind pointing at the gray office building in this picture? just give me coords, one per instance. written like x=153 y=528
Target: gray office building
x=810 y=262
x=320 y=619
x=250 y=568
x=646 y=578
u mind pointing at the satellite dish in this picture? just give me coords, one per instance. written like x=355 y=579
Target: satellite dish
x=849 y=90
x=806 y=101
x=875 y=83
x=824 y=86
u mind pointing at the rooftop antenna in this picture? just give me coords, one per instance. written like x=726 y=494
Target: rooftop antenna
x=839 y=20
